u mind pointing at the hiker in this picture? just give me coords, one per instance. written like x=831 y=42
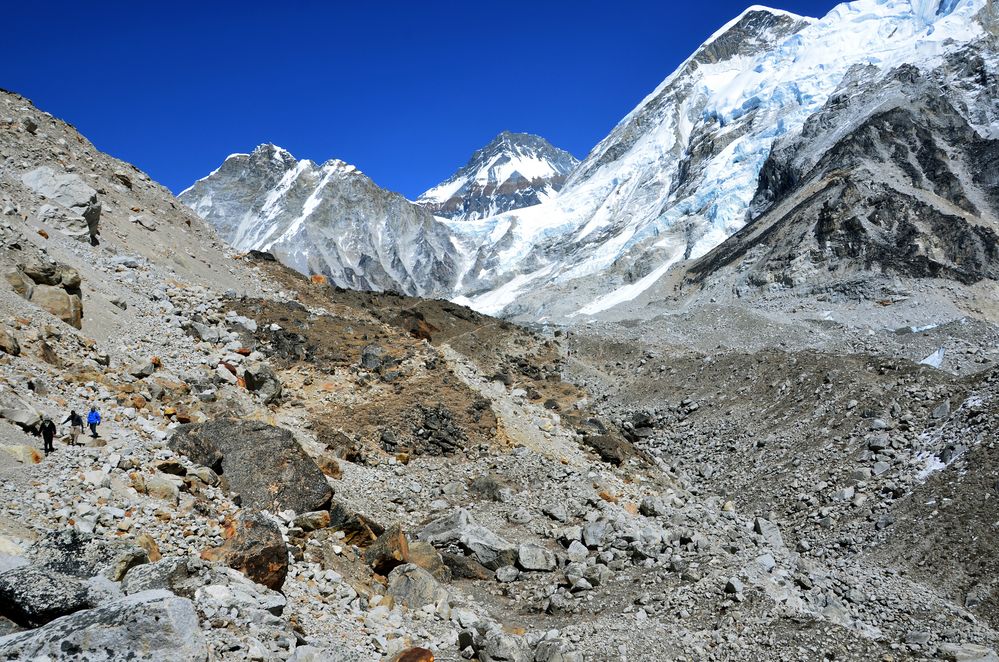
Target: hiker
x=93 y=420
x=48 y=430
x=75 y=426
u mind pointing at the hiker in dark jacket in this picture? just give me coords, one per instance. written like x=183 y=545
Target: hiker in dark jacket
x=48 y=430
x=75 y=426
x=93 y=420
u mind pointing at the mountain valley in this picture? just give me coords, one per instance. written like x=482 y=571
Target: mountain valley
x=725 y=389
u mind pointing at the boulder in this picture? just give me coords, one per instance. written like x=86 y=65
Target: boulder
x=967 y=653
x=357 y=529
x=24 y=453
x=256 y=549
x=391 y=549
x=464 y=567
x=533 y=557
x=414 y=587
x=152 y=625
x=142 y=369
x=261 y=379
x=262 y=463
x=610 y=449
x=69 y=191
x=8 y=343
x=427 y=557
x=162 y=487
x=64 y=220
x=489 y=549
x=59 y=303
x=82 y=555
x=32 y=596
x=18 y=411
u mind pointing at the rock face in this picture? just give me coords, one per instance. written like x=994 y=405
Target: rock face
x=256 y=549
x=889 y=177
x=262 y=463
x=327 y=219
x=151 y=625
x=513 y=171
x=75 y=210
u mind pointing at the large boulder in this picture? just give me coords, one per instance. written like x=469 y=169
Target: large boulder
x=82 y=555
x=208 y=584
x=262 y=463
x=18 y=411
x=152 y=625
x=256 y=549
x=68 y=191
x=32 y=596
x=59 y=302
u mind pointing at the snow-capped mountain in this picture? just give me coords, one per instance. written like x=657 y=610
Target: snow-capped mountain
x=513 y=171
x=326 y=219
x=677 y=175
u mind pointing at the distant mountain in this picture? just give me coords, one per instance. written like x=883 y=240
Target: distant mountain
x=326 y=219
x=885 y=107
x=513 y=171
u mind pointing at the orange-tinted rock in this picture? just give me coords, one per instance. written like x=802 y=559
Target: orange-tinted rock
x=414 y=655
x=391 y=549
x=256 y=549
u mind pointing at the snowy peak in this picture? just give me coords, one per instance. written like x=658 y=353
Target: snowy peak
x=514 y=170
x=327 y=219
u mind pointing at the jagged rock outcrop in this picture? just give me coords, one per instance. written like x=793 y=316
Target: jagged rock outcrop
x=513 y=171
x=327 y=219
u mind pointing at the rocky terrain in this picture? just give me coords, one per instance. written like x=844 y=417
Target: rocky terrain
x=290 y=470
x=783 y=449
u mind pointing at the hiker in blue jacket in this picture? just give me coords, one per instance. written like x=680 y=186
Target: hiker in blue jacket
x=93 y=420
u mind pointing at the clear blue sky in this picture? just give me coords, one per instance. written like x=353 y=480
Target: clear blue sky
x=404 y=90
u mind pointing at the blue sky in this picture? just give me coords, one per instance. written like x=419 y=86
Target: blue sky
x=404 y=90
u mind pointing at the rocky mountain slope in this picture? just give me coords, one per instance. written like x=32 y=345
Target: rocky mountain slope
x=327 y=219
x=513 y=171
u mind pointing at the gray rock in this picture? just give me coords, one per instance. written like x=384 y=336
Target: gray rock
x=489 y=549
x=734 y=586
x=69 y=191
x=769 y=531
x=142 y=369
x=414 y=587
x=652 y=506
x=577 y=551
x=507 y=574
x=535 y=558
x=151 y=625
x=32 y=596
x=967 y=653
x=942 y=410
x=18 y=411
x=262 y=380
